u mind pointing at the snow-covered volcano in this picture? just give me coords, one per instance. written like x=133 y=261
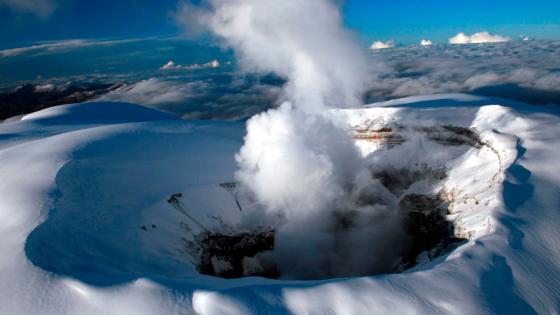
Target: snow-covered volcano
x=88 y=224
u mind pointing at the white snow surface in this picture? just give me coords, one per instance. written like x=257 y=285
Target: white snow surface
x=79 y=181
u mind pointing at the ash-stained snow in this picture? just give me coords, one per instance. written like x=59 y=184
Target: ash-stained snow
x=87 y=228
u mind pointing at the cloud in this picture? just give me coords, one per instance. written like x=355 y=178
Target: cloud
x=52 y=46
x=529 y=67
x=40 y=8
x=306 y=170
x=426 y=42
x=322 y=61
x=480 y=80
x=477 y=38
x=300 y=166
x=154 y=92
x=170 y=65
x=190 y=18
x=382 y=45
x=217 y=96
x=64 y=45
x=44 y=88
x=524 y=71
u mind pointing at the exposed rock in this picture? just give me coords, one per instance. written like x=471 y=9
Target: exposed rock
x=399 y=180
x=236 y=255
x=428 y=230
x=29 y=98
x=396 y=135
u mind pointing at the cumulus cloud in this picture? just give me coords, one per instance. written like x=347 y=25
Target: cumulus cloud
x=40 y=8
x=171 y=65
x=426 y=42
x=477 y=38
x=382 y=45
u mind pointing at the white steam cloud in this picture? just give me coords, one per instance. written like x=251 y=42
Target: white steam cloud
x=477 y=38
x=303 y=42
x=297 y=163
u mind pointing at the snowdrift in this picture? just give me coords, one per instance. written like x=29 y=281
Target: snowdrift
x=87 y=228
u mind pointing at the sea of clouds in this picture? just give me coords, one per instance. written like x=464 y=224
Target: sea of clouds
x=525 y=71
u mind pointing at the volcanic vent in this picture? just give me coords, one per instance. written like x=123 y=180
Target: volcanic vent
x=408 y=212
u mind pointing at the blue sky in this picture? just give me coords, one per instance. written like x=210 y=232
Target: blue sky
x=408 y=21
x=405 y=21
x=86 y=19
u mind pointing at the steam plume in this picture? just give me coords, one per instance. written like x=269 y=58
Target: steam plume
x=302 y=41
x=296 y=162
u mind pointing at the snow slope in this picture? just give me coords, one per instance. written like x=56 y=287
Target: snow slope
x=86 y=229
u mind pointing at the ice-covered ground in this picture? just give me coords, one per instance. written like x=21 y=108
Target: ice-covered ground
x=86 y=227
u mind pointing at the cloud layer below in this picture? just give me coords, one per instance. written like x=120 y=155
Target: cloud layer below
x=521 y=70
